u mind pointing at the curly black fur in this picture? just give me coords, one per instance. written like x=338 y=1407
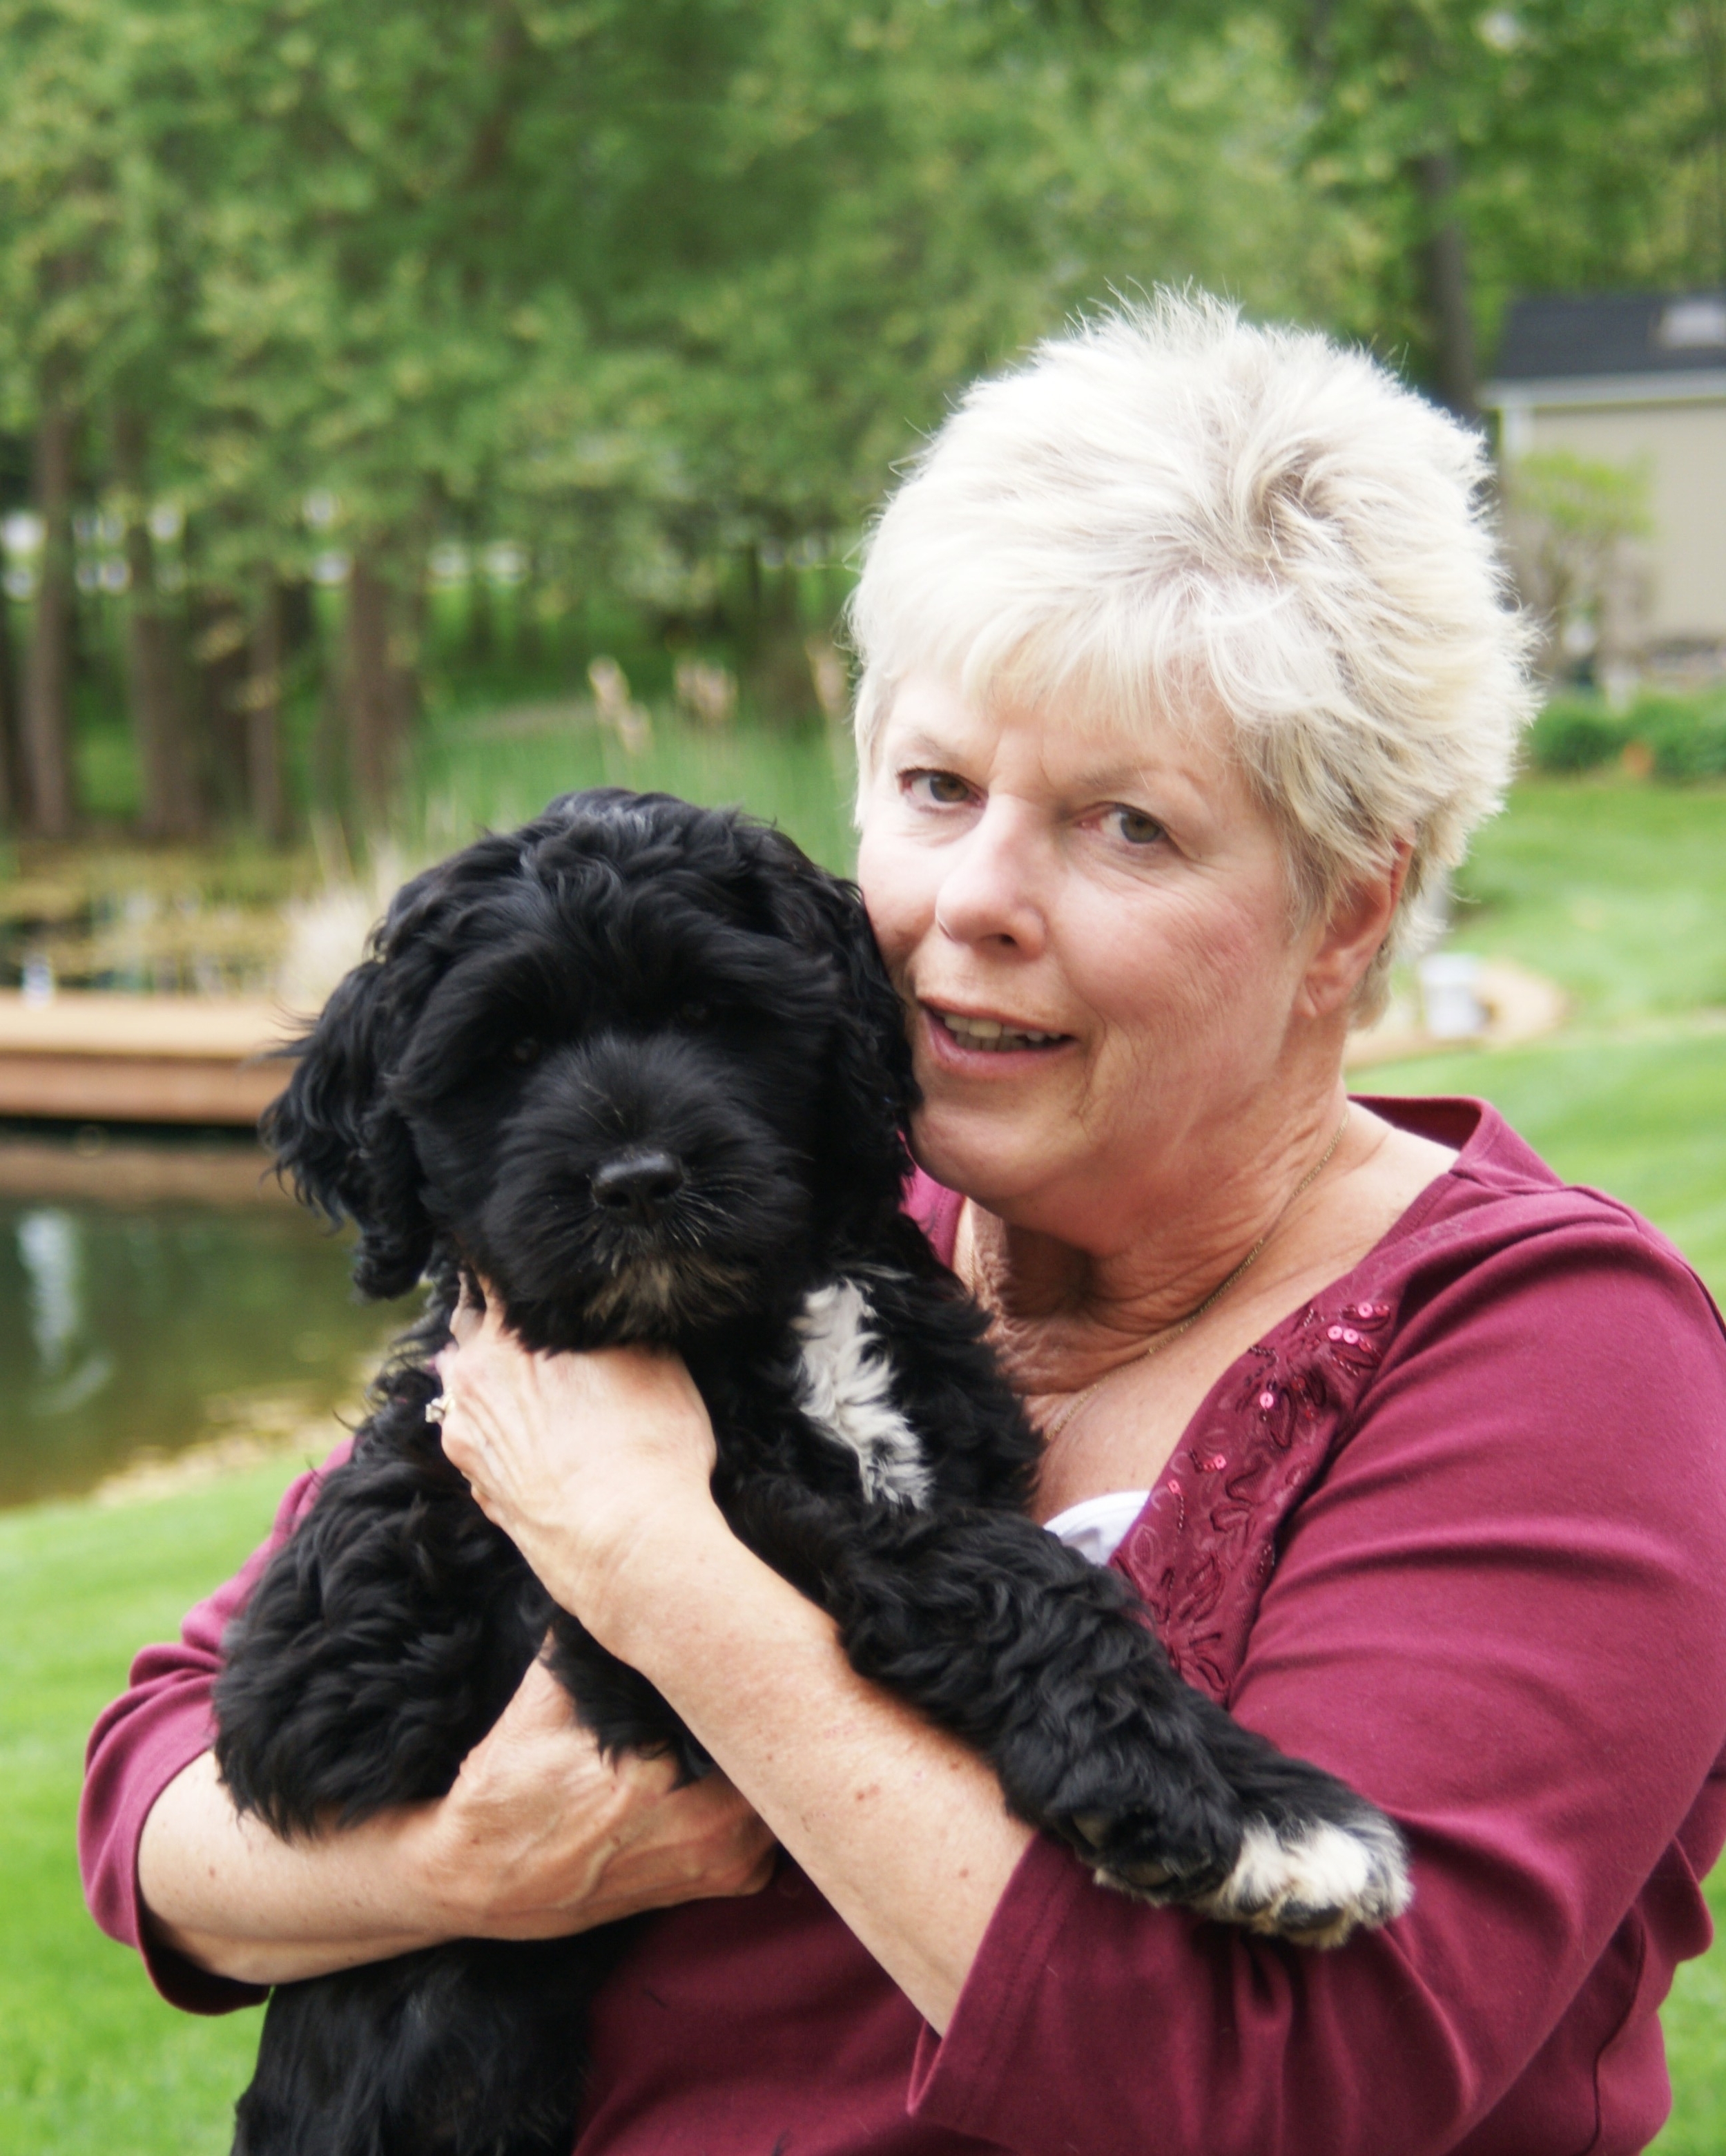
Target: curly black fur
x=638 y=1066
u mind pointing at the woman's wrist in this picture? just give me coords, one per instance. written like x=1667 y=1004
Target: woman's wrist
x=429 y=1873
x=631 y=1587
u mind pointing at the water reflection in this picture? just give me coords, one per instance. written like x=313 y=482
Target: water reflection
x=159 y=1324
x=48 y=1248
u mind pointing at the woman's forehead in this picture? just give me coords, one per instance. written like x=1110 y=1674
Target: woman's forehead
x=1078 y=743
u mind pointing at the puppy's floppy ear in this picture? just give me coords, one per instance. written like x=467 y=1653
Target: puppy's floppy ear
x=345 y=1149
x=869 y=1088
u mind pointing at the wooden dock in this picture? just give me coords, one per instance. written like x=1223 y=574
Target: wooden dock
x=83 y=1056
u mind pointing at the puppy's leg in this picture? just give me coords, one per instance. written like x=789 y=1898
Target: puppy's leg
x=1047 y=1665
x=471 y=2048
x=616 y=1703
x=381 y=1642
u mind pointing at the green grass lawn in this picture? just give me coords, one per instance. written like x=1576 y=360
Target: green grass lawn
x=1616 y=889
x=1643 y=1117
x=90 y=2060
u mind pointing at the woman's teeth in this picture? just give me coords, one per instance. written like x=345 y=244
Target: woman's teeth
x=989 y=1033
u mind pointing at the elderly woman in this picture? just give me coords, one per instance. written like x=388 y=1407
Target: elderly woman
x=1186 y=672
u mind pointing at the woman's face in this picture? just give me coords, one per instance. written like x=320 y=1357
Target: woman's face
x=1090 y=925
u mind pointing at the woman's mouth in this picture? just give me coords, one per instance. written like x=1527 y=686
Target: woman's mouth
x=991 y=1036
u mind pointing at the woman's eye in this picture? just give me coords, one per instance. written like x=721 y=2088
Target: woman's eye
x=939 y=789
x=1135 y=827
x=526 y=1051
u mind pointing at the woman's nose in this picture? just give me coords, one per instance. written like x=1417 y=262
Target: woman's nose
x=990 y=893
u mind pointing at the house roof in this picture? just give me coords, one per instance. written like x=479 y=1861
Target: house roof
x=1614 y=335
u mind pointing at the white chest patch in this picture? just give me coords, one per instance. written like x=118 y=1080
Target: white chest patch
x=845 y=1390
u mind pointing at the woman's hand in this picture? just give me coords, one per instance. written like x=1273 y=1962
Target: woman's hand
x=542 y=1835
x=539 y=1836
x=585 y=1461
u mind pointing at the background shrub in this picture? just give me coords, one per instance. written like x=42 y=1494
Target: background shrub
x=1687 y=734
x=1684 y=736
x=1575 y=733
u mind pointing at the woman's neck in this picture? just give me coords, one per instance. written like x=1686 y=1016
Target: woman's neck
x=1068 y=1307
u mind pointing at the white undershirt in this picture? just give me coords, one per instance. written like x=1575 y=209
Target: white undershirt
x=1097 y=1527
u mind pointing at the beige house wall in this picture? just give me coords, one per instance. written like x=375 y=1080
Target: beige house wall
x=1684 y=447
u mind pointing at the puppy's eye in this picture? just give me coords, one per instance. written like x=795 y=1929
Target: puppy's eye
x=696 y=1014
x=526 y=1051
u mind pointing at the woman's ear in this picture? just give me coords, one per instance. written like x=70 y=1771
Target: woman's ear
x=345 y=1147
x=1358 y=923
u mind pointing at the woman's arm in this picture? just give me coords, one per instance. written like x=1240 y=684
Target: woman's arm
x=902 y=1828
x=539 y=1836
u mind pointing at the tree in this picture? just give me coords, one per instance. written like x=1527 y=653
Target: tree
x=46 y=730
x=662 y=291
x=1530 y=146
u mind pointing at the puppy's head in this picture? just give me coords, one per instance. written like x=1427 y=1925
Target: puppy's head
x=638 y=1065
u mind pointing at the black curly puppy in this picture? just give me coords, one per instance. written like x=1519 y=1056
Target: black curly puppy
x=638 y=1067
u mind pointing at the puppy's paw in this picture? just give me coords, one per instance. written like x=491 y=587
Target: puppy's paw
x=1141 y=1856
x=1315 y=1881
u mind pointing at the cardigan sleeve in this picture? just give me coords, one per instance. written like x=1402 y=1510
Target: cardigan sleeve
x=157 y=1727
x=1502 y=1613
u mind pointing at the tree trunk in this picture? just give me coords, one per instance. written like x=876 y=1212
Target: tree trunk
x=1444 y=273
x=530 y=643
x=481 y=625
x=263 y=716
x=48 y=678
x=224 y=669
x=378 y=695
x=12 y=790
x=167 y=764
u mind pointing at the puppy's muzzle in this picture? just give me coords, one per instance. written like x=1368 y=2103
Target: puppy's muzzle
x=637 y=1185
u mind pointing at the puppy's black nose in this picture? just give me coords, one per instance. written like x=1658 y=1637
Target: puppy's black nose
x=637 y=1183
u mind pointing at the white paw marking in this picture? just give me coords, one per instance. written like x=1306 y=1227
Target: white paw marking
x=1317 y=1885
x=845 y=1390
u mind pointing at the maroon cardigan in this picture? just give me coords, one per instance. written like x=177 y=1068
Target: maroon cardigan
x=1458 y=1531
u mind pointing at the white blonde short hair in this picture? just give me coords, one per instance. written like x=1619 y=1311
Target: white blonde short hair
x=1170 y=511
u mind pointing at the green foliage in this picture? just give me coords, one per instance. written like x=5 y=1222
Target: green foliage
x=1567 y=520
x=1584 y=138
x=1682 y=738
x=492 y=769
x=655 y=292
x=660 y=293
x=1686 y=734
x=1575 y=733
x=1582 y=502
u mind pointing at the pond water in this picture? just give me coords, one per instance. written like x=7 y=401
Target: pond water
x=153 y=1299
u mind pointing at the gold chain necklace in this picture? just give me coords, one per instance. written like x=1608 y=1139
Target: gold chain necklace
x=1052 y=1429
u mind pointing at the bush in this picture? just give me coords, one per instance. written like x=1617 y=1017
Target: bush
x=1682 y=738
x=1687 y=736
x=1573 y=733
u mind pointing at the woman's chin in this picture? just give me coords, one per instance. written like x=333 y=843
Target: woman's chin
x=990 y=1158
